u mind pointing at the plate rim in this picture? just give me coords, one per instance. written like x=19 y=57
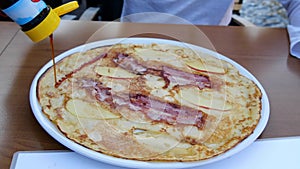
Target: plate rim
x=52 y=130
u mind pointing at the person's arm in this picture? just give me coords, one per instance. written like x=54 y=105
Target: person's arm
x=293 y=11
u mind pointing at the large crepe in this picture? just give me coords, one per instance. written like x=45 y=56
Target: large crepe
x=151 y=102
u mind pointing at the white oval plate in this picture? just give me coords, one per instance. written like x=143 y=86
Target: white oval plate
x=60 y=137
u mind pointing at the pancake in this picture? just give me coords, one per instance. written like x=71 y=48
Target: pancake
x=151 y=102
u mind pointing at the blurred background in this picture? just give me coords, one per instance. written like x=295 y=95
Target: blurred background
x=264 y=13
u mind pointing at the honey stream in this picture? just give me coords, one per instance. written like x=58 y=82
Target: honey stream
x=53 y=59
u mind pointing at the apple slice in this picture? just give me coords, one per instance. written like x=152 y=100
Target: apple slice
x=82 y=109
x=198 y=65
x=149 y=54
x=159 y=142
x=207 y=100
x=158 y=55
x=114 y=72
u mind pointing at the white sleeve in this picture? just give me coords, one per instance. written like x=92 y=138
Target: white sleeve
x=293 y=11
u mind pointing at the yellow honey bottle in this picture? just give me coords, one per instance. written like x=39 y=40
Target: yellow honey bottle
x=37 y=20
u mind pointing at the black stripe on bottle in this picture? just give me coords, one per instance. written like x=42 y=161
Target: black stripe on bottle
x=37 y=20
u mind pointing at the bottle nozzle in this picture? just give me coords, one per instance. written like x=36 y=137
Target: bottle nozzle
x=66 y=8
x=48 y=25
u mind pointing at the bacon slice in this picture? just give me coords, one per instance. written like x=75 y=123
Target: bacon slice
x=155 y=109
x=169 y=74
x=100 y=92
x=185 y=78
x=129 y=63
x=168 y=112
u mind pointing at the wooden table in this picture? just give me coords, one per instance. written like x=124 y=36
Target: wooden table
x=263 y=51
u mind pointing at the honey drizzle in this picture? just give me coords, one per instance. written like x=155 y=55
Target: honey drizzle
x=53 y=59
x=69 y=75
